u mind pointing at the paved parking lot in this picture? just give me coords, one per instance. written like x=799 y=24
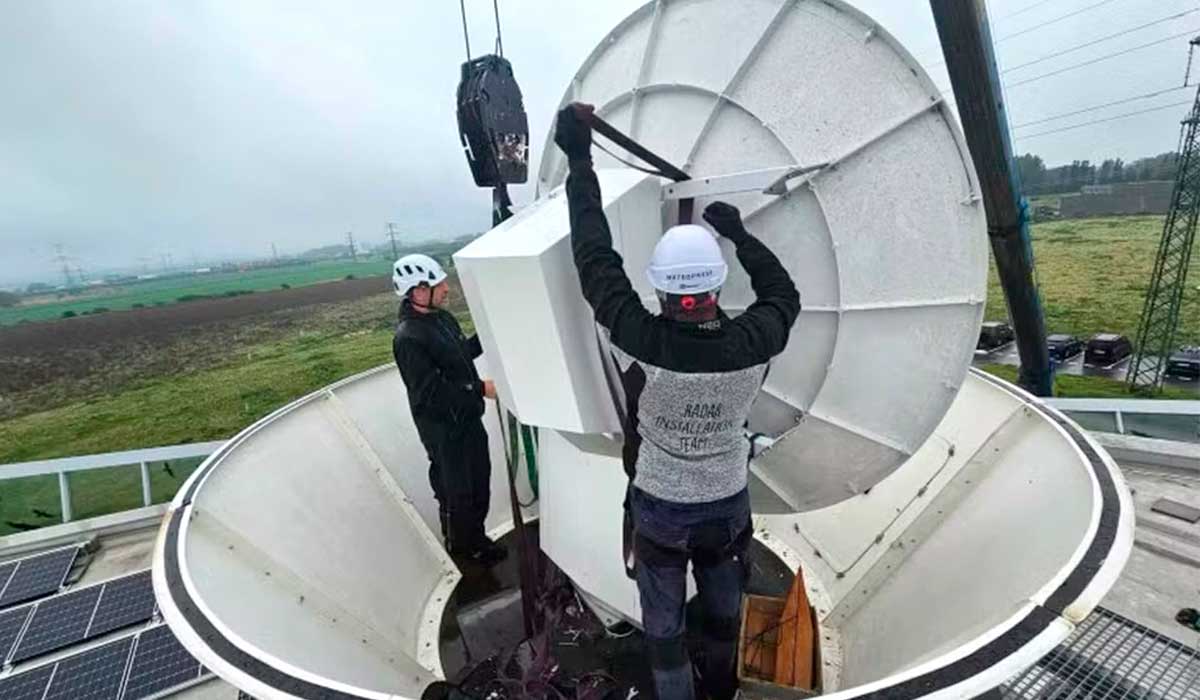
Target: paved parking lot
x=1007 y=355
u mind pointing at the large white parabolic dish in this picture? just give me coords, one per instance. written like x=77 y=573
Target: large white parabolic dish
x=887 y=243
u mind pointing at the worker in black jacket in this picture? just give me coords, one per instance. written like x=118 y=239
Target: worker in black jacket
x=690 y=375
x=446 y=396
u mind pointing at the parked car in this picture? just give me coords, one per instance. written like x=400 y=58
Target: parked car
x=1185 y=363
x=993 y=334
x=1063 y=347
x=1106 y=349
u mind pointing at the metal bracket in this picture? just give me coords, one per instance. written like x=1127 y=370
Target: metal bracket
x=771 y=181
x=779 y=186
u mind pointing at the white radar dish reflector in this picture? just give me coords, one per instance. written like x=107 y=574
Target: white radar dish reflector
x=883 y=232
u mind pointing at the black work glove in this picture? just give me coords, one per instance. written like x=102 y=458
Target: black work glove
x=726 y=220
x=573 y=132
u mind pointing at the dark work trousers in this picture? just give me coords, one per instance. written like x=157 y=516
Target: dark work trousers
x=714 y=537
x=460 y=472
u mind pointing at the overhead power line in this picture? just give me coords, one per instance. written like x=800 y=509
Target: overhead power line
x=1089 y=62
x=1099 y=59
x=1036 y=27
x=1023 y=10
x=1056 y=20
x=1100 y=40
x=1094 y=108
x=1026 y=137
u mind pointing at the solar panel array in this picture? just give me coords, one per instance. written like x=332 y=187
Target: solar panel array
x=160 y=663
x=58 y=622
x=77 y=616
x=11 y=624
x=33 y=577
x=130 y=668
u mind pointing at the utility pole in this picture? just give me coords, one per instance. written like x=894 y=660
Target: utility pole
x=350 y=242
x=274 y=253
x=971 y=61
x=1160 y=315
x=392 y=238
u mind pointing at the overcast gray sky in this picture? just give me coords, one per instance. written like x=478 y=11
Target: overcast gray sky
x=140 y=128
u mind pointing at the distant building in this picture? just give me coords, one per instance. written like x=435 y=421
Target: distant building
x=1152 y=197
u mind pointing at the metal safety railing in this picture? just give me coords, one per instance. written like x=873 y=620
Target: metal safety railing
x=1151 y=418
x=142 y=458
x=1167 y=420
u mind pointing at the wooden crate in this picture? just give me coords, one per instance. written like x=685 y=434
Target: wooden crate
x=758 y=644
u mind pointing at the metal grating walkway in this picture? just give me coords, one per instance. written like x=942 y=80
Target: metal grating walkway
x=1111 y=657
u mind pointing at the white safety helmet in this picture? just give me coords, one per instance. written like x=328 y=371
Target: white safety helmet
x=687 y=260
x=412 y=270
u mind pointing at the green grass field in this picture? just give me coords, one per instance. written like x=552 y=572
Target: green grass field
x=1093 y=275
x=1070 y=386
x=211 y=404
x=168 y=291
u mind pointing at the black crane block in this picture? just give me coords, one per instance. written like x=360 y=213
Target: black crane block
x=491 y=122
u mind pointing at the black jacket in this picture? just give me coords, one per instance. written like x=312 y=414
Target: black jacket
x=688 y=386
x=436 y=362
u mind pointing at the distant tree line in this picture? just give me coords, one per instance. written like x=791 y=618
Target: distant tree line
x=1036 y=178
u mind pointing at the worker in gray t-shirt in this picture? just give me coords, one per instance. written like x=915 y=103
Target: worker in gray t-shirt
x=690 y=375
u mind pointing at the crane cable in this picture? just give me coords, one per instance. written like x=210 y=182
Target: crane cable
x=499 y=41
x=462 y=10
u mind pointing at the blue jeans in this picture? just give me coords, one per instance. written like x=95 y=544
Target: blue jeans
x=714 y=537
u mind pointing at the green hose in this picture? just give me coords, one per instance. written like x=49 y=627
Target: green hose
x=529 y=437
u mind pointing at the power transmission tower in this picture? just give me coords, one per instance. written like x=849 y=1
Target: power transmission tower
x=63 y=259
x=274 y=253
x=350 y=242
x=1160 y=315
x=392 y=238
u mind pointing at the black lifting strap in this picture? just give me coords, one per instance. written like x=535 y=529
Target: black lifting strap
x=664 y=168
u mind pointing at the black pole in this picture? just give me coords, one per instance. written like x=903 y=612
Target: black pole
x=527 y=555
x=971 y=62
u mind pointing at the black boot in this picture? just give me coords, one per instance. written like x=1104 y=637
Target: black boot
x=485 y=553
